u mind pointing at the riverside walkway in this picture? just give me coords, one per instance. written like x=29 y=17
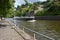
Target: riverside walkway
x=10 y=32
x=7 y=33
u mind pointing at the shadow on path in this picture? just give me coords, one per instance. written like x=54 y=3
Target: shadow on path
x=2 y=25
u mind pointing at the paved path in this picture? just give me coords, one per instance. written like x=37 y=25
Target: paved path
x=7 y=33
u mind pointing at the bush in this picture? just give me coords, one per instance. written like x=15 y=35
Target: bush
x=40 y=13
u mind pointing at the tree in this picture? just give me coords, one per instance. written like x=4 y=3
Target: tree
x=26 y=3
x=52 y=7
x=21 y=10
x=5 y=6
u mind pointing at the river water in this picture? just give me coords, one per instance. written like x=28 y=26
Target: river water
x=49 y=28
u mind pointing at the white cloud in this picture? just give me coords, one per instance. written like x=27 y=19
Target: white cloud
x=18 y=2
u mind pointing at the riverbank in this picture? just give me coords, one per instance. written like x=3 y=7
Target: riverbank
x=47 y=17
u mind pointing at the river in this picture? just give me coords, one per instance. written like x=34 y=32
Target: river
x=50 y=28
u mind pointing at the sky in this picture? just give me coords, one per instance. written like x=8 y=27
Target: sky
x=19 y=2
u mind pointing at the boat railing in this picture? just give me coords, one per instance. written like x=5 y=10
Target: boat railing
x=25 y=17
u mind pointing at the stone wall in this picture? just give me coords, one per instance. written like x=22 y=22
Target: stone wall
x=47 y=17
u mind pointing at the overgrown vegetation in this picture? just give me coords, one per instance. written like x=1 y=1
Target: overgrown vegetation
x=50 y=8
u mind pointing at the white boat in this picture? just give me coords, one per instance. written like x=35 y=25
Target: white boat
x=25 y=18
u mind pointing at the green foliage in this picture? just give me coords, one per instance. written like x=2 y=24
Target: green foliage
x=19 y=13
x=21 y=10
x=10 y=13
x=51 y=8
x=40 y=13
x=5 y=6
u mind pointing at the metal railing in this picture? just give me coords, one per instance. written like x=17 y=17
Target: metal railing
x=38 y=34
